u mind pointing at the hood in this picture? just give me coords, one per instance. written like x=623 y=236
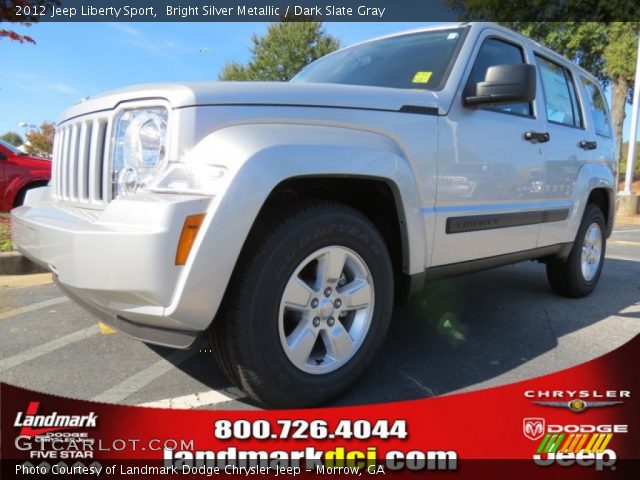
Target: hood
x=261 y=93
x=34 y=162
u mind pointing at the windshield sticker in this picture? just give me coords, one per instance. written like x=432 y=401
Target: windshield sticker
x=422 y=77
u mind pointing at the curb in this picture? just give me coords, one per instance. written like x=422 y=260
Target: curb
x=13 y=263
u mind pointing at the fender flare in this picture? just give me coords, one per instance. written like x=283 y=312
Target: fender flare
x=19 y=183
x=591 y=176
x=258 y=157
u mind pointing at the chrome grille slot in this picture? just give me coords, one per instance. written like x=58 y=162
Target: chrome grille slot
x=73 y=156
x=83 y=162
x=79 y=161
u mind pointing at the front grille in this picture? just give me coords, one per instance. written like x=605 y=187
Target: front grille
x=80 y=152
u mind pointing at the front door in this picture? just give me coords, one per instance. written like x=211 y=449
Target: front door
x=490 y=170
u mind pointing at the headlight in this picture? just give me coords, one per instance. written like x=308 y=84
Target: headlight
x=139 y=152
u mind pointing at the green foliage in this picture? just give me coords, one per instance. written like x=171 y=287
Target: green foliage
x=5 y=233
x=235 y=71
x=604 y=48
x=13 y=138
x=543 y=10
x=282 y=52
x=582 y=42
x=621 y=51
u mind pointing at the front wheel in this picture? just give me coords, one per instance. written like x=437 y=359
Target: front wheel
x=308 y=307
x=578 y=275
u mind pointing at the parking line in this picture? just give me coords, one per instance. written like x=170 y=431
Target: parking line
x=626 y=231
x=136 y=382
x=195 y=400
x=48 y=347
x=621 y=257
x=625 y=242
x=25 y=281
x=106 y=329
x=30 y=308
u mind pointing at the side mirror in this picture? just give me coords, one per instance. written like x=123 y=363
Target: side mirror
x=515 y=83
x=3 y=156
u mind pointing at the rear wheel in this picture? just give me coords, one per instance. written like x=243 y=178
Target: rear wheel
x=308 y=307
x=578 y=275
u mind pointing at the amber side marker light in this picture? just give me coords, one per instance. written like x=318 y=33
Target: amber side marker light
x=187 y=237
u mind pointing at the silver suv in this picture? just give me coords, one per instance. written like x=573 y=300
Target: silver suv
x=285 y=219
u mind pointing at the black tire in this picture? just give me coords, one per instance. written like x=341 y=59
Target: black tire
x=245 y=334
x=566 y=278
x=19 y=200
x=22 y=194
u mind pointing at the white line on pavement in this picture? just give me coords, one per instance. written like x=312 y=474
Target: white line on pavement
x=211 y=397
x=48 y=347
x=626 y=231
x=620 y=257
x=30 y=308
x=131 y=385
x=625 y=242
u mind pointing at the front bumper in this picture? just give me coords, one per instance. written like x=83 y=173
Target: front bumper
x=119 y=263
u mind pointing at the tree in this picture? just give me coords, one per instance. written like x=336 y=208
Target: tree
x=582 y=42
x=9 y=13
x=544 y=10
x=282 y=52
x=40 y=141
x=620 y=64
x=13 y=138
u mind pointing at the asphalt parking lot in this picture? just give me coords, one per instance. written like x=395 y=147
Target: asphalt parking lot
x=470 y=332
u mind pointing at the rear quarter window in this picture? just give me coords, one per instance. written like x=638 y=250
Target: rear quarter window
x=597 y=107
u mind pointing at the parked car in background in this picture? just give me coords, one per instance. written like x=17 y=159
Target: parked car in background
x=19 y=172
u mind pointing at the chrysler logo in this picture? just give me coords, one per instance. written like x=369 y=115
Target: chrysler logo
x=577 y=405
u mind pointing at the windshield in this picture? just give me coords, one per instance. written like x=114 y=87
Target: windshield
x=412 y=61
x=11 y=148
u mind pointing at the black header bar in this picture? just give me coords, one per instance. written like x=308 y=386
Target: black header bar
x=319 y=10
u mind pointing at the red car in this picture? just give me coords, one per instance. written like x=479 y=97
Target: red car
x=18 y=173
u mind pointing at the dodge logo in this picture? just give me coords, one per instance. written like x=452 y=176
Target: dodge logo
x=533 y=428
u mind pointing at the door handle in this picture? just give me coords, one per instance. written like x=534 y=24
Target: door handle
x=587 y=145
x=537 y=137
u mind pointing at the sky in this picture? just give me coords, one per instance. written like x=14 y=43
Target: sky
x=71 y=61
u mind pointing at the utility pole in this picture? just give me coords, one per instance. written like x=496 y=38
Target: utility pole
x=628 y=199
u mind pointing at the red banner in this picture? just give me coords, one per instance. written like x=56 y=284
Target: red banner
x=582 y=422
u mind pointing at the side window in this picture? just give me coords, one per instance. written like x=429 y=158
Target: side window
x=497 y=52
x=561 y=102
x=598 y=108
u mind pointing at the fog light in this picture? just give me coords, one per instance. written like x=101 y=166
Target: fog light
x=128 y=181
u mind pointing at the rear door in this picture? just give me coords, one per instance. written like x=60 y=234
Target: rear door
x=490 y=169
x=568 y=147
x=598 y=122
